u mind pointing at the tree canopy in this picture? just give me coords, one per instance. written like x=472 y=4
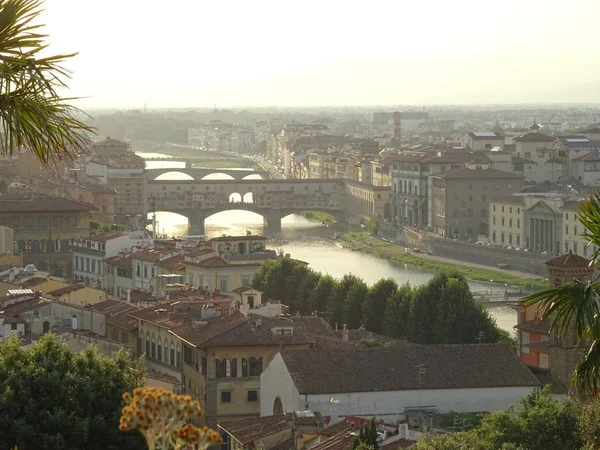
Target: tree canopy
x=441 y=311
x=53 y=398
x=32 y=112
x=367 y=437
x=541 y=423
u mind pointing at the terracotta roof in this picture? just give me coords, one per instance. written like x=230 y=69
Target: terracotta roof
x=511 y=199
x=534 y=137
x=32 y=282
x=243 y=289
x=459 y=157
x=171 y=315
x=536 y=325
x=239 y=238
x=16 y=309
x=398 y=443
x=314 y=326
x=163 y=377
x=466 y=173
x=355 y=336
x=336 y=428
x=39 y=203
x=65 y=290
x=592 y=156
x=199 y=251
x=569 y=260
x=173 y=263
x=545 y=377
x=344 y=440
x=572 y=205
x=448 y=367
x=215 y=261
x=152 y=254
x=118 y=313
x=125 y=262
x=111 y=141
x=237 y=329
x=249 y=431
x=519 y=160
x=288 y=444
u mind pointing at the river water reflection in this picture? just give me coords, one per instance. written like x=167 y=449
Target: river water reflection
x=311 y=242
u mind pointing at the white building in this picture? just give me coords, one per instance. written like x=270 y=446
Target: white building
x=144 y=268
x=538 y=149
x=89 y=254
x=385 y=383
x=482 y=140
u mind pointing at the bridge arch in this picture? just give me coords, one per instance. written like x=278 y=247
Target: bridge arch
x=174 y=174
x=217 y=175
x=253 y=176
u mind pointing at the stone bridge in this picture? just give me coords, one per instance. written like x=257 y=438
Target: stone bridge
x=198 y=173
x=272 y=199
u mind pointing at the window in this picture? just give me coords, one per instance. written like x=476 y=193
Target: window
x=225 y=396
x=43 y=221
x=252 y=396
x=159 y=350
x=493 y=236
x=493 y=220
x=544 y=363
x=223 y=285
x=145 y=271
x=524 y=342
x=255 y=367
x=147 y=346
x=27 y=222
x=244 y=367
x=204 y=365
x=503 y=209
x=137 y=270
x=510 y=209
x=172 y=356
x=575 y=230
x=153 y=349
x=13 y=327
x=518 y=239
x=510 y=222
x=585 y=250
x=503 y=221
x=494 y=208
x=72 y=222
x=227 y=367
x=76 y=262
x=502 y=238
x=518 y=223
x=470 y=198
x=510 y=238
x=566 y=216
x=566 y=229
x=93 y=265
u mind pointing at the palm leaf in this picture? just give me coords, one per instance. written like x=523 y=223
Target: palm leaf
x=587 y=372
x=32 y=113
x=589 y=216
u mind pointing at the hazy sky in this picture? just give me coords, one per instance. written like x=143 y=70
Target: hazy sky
x=327 y=52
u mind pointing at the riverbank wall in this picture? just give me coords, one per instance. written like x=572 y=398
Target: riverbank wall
x=521 y=261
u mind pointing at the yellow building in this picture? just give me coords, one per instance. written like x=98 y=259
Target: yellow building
x=204 y=268
x=36 y=284
x=77 y=294
x=44 y=227
x=223 y=360
x=507 y=221
x=573 y=231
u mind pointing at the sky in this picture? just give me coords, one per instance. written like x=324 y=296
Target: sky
x=240 y=53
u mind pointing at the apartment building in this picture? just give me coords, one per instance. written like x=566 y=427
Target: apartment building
x=460 y=198
x=506 y=220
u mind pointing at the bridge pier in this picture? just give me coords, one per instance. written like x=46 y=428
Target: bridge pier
x=196 y=223
x=188 y=164
x=272 y=222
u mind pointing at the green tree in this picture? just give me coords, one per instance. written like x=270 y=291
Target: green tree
x=367 y=436
x=305 y=289
x=574 y=307
x=397 y=312
x=320 y=295
x=280 y=279
x=53 y=398
x=336 y=306
x=353 y=304
x=375 y=303
x=32 y=112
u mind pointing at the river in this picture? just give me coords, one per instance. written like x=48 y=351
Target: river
x=308 y=241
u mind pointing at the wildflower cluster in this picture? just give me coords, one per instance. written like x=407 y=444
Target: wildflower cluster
x=161 y=417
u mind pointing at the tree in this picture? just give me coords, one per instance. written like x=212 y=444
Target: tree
x=336 y=304
x=320 y=295
x=375 y=302
x=541 y=423
x=575 y=307
x=367 y=436
x=353 y=304
x=306 y=287
x=55 y=398
x=397 y=312
x=280 y=278
x=32 y=112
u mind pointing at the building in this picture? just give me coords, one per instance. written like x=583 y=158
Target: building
x=77 y=294
x=144 y=265
x=389 y=383
x=97 y=194
x=506 y=222
x=225 y=356
x=121 y=327
x=460 y=198
x=89 y=254
x=44 y=227
x=539 y=148
x=539 y=346
x=118 y=274
x=123 y=170
x=482 y=140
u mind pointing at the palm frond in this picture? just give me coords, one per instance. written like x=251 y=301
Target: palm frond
x=32 y=113
x=570 y=305
x=589 y=216
x=586 y=377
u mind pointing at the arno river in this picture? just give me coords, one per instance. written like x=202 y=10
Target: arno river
x=308 y=241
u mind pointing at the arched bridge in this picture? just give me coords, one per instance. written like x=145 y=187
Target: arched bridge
x=273 y=199
x=198 y=173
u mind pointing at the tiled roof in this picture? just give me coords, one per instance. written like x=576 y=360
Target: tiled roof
x=39 y=203
x=248 y=431
x=545 y=377
x=536 y=325
x=355 y=336
x=16 y=309
x=162 y=377
x=65 y=290
x=237 y=329
x=118 y=313
x=288 y=444
x=569 y=260
x=572 y=205
x=343 y=440
x=448 y=367
x=124 y=262
x=459 y=158
x=200 y=251
x=466 y=173
x=215 y=261
x=152 y=254
x=510 y=199
x=35 y=281
x=519 y=160
x=314 y=326
x=534 y=137
x=592 y=156
x=336 y=428
x=173 y=263
x=242 y=289
x=238 y=238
